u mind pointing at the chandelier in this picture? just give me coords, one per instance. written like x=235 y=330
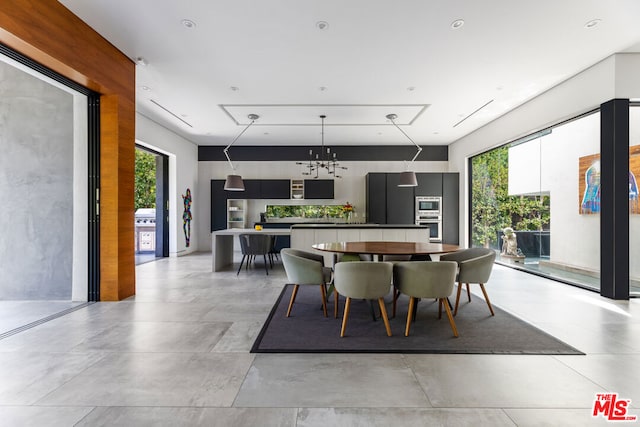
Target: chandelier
x=325 y=160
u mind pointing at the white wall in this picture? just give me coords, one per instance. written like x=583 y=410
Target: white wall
x=350 y=188
x=183 y=174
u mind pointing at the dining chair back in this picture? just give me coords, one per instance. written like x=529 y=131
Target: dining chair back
x=252 y=245
x=426 y=279
x=474 y=266
x=305 y=268
x=367 y=280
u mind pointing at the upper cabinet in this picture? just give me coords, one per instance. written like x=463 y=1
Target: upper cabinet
x=318 y=188
x=274 y=189
x=429 y=184
x=252 y=189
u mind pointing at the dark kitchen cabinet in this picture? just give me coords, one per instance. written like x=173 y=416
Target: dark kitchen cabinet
x=318 y=189
x=274 y=189
x=376 y=189
x=429 y=184
x=218 y=205
x=400 y=201
x=450 y=208
x=252 y=188
x=389 y=204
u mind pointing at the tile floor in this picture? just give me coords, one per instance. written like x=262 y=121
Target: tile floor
x=177 y=354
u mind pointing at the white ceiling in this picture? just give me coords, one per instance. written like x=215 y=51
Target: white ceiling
x=376 y=57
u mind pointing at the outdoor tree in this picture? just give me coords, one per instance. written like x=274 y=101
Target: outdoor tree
x=493 y=208
x=145 y=180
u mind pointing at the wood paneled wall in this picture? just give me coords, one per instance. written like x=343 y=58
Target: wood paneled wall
x=50 y=34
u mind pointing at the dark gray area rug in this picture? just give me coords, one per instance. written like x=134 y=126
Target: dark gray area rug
x=308 y=331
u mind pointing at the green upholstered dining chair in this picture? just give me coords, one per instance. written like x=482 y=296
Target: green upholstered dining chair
x=474 y=266
x=252 y=245
x=363 y=280
x=426 y=279
x=305 y=268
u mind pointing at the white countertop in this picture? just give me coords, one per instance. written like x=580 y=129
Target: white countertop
x=236 y=231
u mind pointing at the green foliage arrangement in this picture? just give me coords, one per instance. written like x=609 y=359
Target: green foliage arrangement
x=492 y=207
x=145 y=180
x=304 y=211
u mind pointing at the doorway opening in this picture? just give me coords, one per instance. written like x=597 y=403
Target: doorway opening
x=151 y=205
x=49 y=255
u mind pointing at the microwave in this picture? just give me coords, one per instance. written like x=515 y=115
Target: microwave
x=428 y=206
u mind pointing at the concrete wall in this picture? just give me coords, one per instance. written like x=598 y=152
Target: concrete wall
x=183 y=174
x=36 y=188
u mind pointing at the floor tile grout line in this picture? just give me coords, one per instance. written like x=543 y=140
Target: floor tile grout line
x=43 y=320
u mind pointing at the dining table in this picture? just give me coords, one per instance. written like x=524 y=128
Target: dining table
x=387 y=248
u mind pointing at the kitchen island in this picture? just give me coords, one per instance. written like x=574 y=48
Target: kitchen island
x=222 y=243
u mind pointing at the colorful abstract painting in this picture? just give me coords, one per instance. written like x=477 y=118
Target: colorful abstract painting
x=589 y=182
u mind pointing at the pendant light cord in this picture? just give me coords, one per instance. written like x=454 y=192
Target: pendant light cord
x=392 y=118
x=253 y=118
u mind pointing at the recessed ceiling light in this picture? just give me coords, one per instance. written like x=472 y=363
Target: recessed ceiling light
x=188 y=23
x=457 y=24
x=411 y=88
x=322 y=88
x=234 y=88
x=593 y=23
x=141 y=61
x=436 y=133
x=145 y=88
x=322 y=25
x=266 y=133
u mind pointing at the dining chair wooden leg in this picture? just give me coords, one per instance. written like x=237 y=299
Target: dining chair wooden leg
x=323 y=291
x=345 y=316
x=439 y=308
x=412 y=302
x=383 y=313
x=486 y=297
x=468 y=293
x=451 y=321
x=293 y=298
x=455 y=310
x=336 y=298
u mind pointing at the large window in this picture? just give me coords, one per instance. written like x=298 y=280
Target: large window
x=545 y=189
